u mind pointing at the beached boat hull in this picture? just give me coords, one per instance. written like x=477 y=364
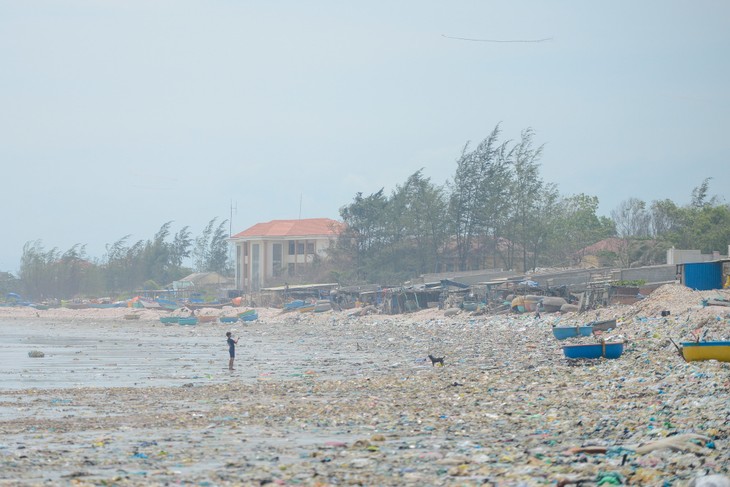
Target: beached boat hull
x=166 y=304
x=563 y=332
x=322 y=305
x=469 y=306
x=296 y=304
x=168 y=320
x=208 y=305
x=229 y=319
x=604 y=325
x=187 y=321
x=695 y=351
x=594 y=350
x=249 y=316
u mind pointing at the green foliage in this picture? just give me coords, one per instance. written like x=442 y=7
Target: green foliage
x=150 y=285
x=391 y=238
x=576 y=226
x=496 y=211
x=210 y=253
x=479 y=194
x=124 y=268
x=704 y=224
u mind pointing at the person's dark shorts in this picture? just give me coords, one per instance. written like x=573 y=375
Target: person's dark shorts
x=232 y=353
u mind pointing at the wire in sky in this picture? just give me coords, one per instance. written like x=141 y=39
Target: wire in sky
x=496 y=40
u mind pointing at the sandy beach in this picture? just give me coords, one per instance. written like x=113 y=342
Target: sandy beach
x=329 y=399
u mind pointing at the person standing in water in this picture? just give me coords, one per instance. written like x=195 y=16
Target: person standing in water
x=231 y=349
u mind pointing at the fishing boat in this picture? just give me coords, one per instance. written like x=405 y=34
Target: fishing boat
x=191 y=320
x=594 y=350
x=131 y=317
x=604 y=325
x=167 y=304
x=469 y=306
x=695 y=351
x=168 y=320
x=563 y=332
x=292 y=305
x=229 y=319
x=250 y=315
x=322 y=305
x=193 y=305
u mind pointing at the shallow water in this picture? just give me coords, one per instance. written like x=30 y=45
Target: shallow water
x=124 y=354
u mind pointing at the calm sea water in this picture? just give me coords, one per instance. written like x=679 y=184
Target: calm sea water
x=141 y=354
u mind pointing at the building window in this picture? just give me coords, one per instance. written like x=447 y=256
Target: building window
x=310 y=247
x=292 y=248
x=300 y=248
x=255 y=265
x=276 y=259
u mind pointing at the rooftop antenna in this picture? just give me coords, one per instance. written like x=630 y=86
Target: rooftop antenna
x=300 y=206
x=230 y=220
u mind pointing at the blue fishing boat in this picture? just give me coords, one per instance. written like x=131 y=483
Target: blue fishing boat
x=229 y=319
x=563 y=332
x=250 y=315
x=192 y=320
x=168 y=320
x=594 y=350
x=167 y=304
x=604 y=325
x=292 y=305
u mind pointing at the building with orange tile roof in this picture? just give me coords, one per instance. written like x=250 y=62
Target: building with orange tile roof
x=268 y=253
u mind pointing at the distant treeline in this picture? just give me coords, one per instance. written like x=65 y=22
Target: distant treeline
x=144 y=264
x=496 y=211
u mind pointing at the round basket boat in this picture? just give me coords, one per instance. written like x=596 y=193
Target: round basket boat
x=695 y=351
x=563 y=332
x=594 y=350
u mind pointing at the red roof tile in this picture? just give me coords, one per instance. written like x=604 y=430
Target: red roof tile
x=292 y=228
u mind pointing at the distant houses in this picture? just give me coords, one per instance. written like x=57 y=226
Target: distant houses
x=270 y=253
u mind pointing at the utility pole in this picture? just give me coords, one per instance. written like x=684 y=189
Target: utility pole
x=230 y=220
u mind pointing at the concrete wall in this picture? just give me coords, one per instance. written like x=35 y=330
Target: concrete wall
x=466 y=277
x=656 y=273
x=678 y=256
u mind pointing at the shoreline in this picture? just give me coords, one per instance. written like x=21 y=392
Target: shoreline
x=328 y=399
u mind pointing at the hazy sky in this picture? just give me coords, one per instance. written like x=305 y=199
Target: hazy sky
x=118 y=116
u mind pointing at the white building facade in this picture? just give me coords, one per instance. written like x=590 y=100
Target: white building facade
x=271 y=252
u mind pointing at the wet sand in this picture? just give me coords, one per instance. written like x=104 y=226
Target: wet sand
x=330 y=400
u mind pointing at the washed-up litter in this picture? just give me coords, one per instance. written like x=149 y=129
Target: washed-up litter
x=332 y=399
x=710 y=481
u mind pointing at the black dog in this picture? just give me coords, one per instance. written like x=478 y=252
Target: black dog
x=436 y=360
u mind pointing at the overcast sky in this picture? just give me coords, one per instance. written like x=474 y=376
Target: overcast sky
x=118 y=116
